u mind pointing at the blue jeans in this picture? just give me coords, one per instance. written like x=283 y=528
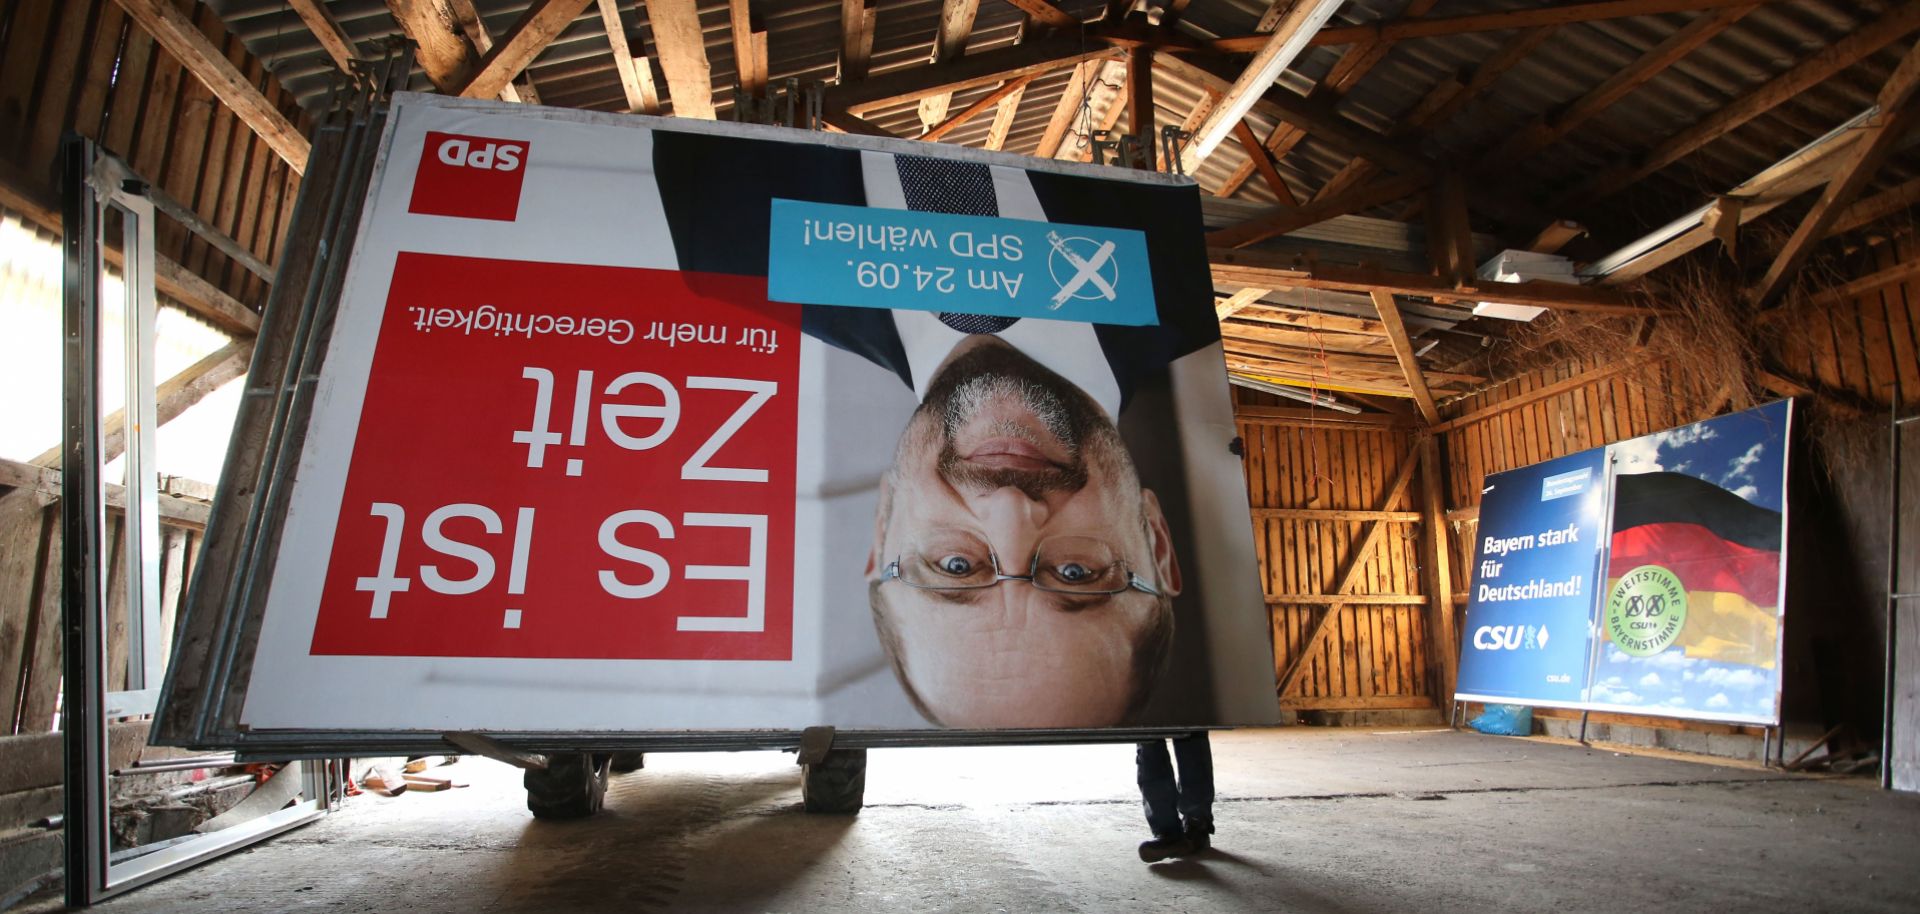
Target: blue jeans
x=1168 y=801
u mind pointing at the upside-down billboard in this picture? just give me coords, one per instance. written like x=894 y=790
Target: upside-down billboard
x=633 y=425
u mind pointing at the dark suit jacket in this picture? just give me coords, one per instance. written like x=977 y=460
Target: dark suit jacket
x=718 y=191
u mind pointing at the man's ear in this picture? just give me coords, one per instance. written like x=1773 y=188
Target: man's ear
x=1166 y=564
x=879 y=524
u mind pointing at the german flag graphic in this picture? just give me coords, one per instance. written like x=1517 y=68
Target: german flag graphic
x=1723 y=549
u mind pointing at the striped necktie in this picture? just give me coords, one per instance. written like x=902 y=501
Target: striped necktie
x=962 y=188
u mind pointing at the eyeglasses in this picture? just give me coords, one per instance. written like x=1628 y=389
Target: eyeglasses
x=1061 y=564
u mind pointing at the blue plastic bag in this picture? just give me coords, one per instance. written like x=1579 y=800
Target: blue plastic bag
x=1505 y=720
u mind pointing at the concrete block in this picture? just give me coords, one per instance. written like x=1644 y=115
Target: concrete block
x=28 y=853
x=25 y=807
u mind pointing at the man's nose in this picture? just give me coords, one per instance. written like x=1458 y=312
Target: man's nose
x=1009 y=507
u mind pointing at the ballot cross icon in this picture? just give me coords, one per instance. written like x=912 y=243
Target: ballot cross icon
x=1085 y=269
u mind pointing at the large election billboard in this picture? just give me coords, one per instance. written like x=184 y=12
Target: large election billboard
x=1536 y=569
x=641 y=425
x=1684 y=622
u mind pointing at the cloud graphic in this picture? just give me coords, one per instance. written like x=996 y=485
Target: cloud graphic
x=1719 y=700
x=1741 y=467
x=1742 y=678
x=1613 y=682
x=1677 y=701
x=1748 y=492
x=1651 y=680
x=1642 y=455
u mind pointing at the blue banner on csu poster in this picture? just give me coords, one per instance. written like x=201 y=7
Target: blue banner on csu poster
x=1528 y=632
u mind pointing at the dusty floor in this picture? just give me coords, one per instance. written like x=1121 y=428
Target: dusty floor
x=1310 y=820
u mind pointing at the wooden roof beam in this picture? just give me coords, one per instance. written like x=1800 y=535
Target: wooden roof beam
x=1822 y=65
x=990 y=100
x=1897 y=113
x=1064 y=110
x=1046 y=14
x=856 y=39
x=1251 y=268
x=1003 y=118
x=1262 y=162
x=1429 y=26
x=468 y=19
x=440 y=50
x=1289 y=37
x=683 y=56
x=1552 y=126
x=536 y=29
x=1283 y=219
x=972 y=71
x=636 y=73
x=1403 y=352
x=184 y=40
x=949 y=44
x=749 y=46
x=328 y=32
x=1876 y=208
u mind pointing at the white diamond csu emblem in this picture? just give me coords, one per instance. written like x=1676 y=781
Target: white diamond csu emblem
x=1543 y=637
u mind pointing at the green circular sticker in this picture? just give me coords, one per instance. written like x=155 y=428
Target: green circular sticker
x=1646 y=610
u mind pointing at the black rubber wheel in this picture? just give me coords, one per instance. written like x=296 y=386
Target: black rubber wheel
x=624 y=762
x=572 y=786
x=837 y=785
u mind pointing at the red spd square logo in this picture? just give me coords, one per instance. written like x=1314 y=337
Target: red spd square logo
x=469 y=177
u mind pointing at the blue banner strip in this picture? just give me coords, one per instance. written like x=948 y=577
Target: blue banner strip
x=827 y=254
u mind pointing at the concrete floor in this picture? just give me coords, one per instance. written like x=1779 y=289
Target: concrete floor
x=1309 y=820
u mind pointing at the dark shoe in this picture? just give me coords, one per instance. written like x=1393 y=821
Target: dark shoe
x=1199 y=836
x=1161 y=848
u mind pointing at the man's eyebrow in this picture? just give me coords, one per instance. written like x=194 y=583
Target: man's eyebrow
x=1073 y=603
x=970 y=596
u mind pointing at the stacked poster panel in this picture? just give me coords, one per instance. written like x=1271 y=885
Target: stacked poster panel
x=1536 y=569
x=638 y=425
x=1686 y=619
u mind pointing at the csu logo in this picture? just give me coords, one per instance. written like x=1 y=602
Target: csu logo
x=469 y=177
x=1510 y=637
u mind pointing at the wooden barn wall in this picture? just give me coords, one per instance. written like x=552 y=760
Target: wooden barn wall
x=1314 y=489
x=82 y=65
x=30 y=646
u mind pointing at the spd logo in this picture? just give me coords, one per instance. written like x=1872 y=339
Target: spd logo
x=469 y=177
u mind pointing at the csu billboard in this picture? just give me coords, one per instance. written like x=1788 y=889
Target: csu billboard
x=1646 y=576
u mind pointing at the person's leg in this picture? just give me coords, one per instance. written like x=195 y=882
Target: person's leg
x=1158 y=791
x=1195 y=801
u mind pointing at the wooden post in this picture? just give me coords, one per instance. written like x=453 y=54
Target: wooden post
x=1439 y=573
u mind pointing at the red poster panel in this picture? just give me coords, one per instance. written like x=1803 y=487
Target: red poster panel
x=566 y=461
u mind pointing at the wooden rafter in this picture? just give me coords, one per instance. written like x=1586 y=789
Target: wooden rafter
x=1003 y=116
x=972 y=71
x=749 y=46
x=1263 y=164
x=1358 y=60
x=446 y=56
x=1552 y=126
x=856 y=39
x=1449 y=231
x=1140 y=106
x=536 y=29
x=1357 y=171
x=989 y=100
x=184 y=40
x=636 y=73
x=1233 y=304
x=327 y=31
x=1877 y=207
x=1350 y=574
x=1249 y=268
x=1064 y=110
x=172 y=397
x=949 y=43
x=1109 y=90
x=1322 y=122
x=1403 y=352
x=1282 y=44
x=1280 y=220
x=1046 y=14
x=1430 y=26
x=467 y=18
x=683 y=56
x=1870 y=150
x=1822 y=65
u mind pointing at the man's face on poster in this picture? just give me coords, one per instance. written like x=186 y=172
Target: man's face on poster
x=1020 y=575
